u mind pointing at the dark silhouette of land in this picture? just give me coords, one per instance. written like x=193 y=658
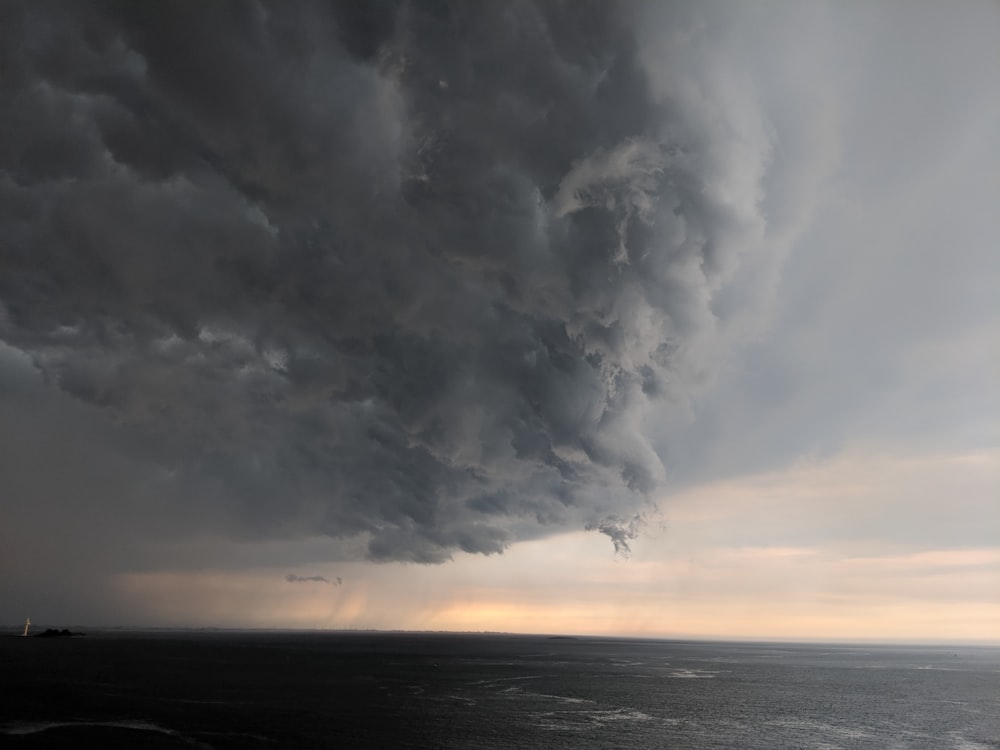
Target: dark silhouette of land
x=54 y=633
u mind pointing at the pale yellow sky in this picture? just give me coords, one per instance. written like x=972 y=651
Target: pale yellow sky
x=718 y=562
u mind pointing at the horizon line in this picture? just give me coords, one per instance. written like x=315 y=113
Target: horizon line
x=680 y=637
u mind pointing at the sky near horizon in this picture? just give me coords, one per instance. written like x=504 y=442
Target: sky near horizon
x=655 y=319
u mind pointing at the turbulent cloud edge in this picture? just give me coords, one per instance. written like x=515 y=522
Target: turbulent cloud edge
x=298 y=286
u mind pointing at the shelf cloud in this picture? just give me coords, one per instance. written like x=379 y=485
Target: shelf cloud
x=404 y=274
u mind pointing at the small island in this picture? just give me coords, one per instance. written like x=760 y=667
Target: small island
x=53 y=633
x=49 y=632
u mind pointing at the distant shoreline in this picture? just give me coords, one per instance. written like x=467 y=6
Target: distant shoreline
x=111 y=630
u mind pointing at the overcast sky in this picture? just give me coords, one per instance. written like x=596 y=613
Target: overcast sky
x=589 y=317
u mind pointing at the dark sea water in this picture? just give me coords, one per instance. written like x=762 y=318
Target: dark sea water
x=366 y=690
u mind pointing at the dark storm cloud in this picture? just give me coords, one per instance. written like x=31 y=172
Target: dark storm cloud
x=409 y=273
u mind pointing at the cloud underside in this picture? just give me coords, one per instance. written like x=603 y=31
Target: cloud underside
x=395 y=273
x=293 y=578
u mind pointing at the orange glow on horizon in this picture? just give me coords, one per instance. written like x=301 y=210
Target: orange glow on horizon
x=739 y=559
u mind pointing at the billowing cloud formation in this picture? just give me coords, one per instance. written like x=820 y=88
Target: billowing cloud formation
x=400 y=273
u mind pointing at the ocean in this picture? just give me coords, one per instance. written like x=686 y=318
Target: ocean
x=224 y=689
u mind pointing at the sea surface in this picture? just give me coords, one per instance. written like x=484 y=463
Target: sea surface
x=400 y=690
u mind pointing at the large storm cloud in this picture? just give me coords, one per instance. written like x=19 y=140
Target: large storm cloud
x=410 y=274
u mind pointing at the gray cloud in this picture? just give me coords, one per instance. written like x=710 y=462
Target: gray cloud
x=399 y=273
x=622 y=532
x=882 y=332
x=292 y=578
